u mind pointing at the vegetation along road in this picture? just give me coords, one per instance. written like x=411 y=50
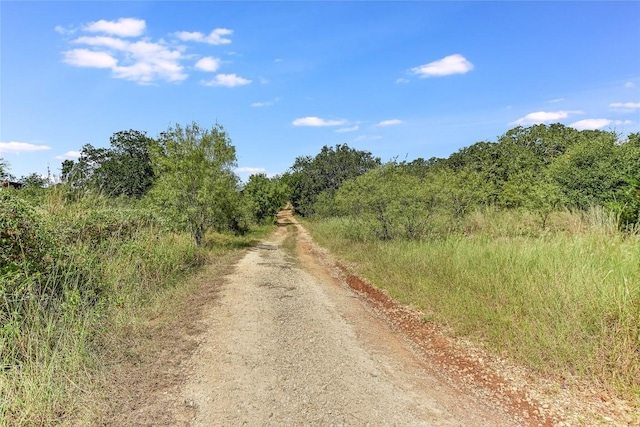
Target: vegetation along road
x=497 y=287
x=289 y=338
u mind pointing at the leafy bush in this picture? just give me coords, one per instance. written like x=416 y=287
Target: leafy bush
x=27 y=252
x=64 y=276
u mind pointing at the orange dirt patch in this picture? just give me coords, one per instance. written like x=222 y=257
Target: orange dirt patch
x=462 y=368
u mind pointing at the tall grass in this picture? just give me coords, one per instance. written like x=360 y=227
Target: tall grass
x=108 y=262
x=564 y=300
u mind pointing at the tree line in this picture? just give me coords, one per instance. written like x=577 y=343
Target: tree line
x=541 y=168
x=186 y=173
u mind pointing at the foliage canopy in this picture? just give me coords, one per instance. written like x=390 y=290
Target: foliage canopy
x=196 y=187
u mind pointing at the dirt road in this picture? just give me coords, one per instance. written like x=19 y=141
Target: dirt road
x=288 y=345
x=288 y=337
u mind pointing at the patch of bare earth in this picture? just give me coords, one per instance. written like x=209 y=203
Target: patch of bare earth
x=295 y=338
x=529 y=398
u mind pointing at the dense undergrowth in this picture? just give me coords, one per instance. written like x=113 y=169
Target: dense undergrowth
x=74 y=274
x=564 y=300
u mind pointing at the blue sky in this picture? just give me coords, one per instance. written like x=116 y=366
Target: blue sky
x=400 y=79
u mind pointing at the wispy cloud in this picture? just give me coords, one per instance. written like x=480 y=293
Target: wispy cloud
x=227 y=80
x=317 y=122
x=209 y=64
x=140 y=61
x=349 y=129
x=543 y=117
x=89 y=58
x=68 y=155
x=452 y=64
x=625 y=106
x=123 y=27
x=402 y=80
x=629 y=85
x=21 y=147
x=591 y=124
x=266 y=103
x=64 y=31
x=250 y=170
x=104 y=42
x=215 y=37
x=555 y=101
x=389 y=123
x=144 y=60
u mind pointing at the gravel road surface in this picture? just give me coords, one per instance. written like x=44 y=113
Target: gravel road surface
x=286 y=344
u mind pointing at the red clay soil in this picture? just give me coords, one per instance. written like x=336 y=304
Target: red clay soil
x=430 y=340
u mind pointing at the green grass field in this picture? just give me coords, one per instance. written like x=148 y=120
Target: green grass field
x=562 y=301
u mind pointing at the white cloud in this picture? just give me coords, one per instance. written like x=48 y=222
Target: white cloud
x=250 y=170
x=317 y=122
x=123 y=27
x=351 y=129
x=21 y=147
x=452 y=64
x=64 y=31
x=389 y=123
x=266 y=103
x=208 y=63
x=69 y=155
x=89 y=58
x=625 y=106
x=629 y=85
x=103 y=41
x=227 y=80
x=622 y=122
x=141 y=61
x=151 y=61
x=555 y=101
x=144 y=60
x=590 y=124
x=402 y=80
x=543 y=117
x=216 y=37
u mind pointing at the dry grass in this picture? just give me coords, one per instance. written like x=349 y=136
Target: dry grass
x=119 y=270
x=565 y=300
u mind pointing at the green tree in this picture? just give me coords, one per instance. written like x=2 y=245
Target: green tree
x=128 y=171
x=627 y=196
x=392 y=201
x=589 y=172
x=309 y=177
x=85 y=175
x=123 y=169
x=4 y=171
x=264 y=196
x=66 y=170
x=195 y=186
x=520 y=156
x=34 y=180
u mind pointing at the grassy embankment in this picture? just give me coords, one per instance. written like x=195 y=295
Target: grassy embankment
x=77 y=280
x=564 y=301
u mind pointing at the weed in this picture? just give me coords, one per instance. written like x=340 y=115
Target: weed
x=561 y=300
